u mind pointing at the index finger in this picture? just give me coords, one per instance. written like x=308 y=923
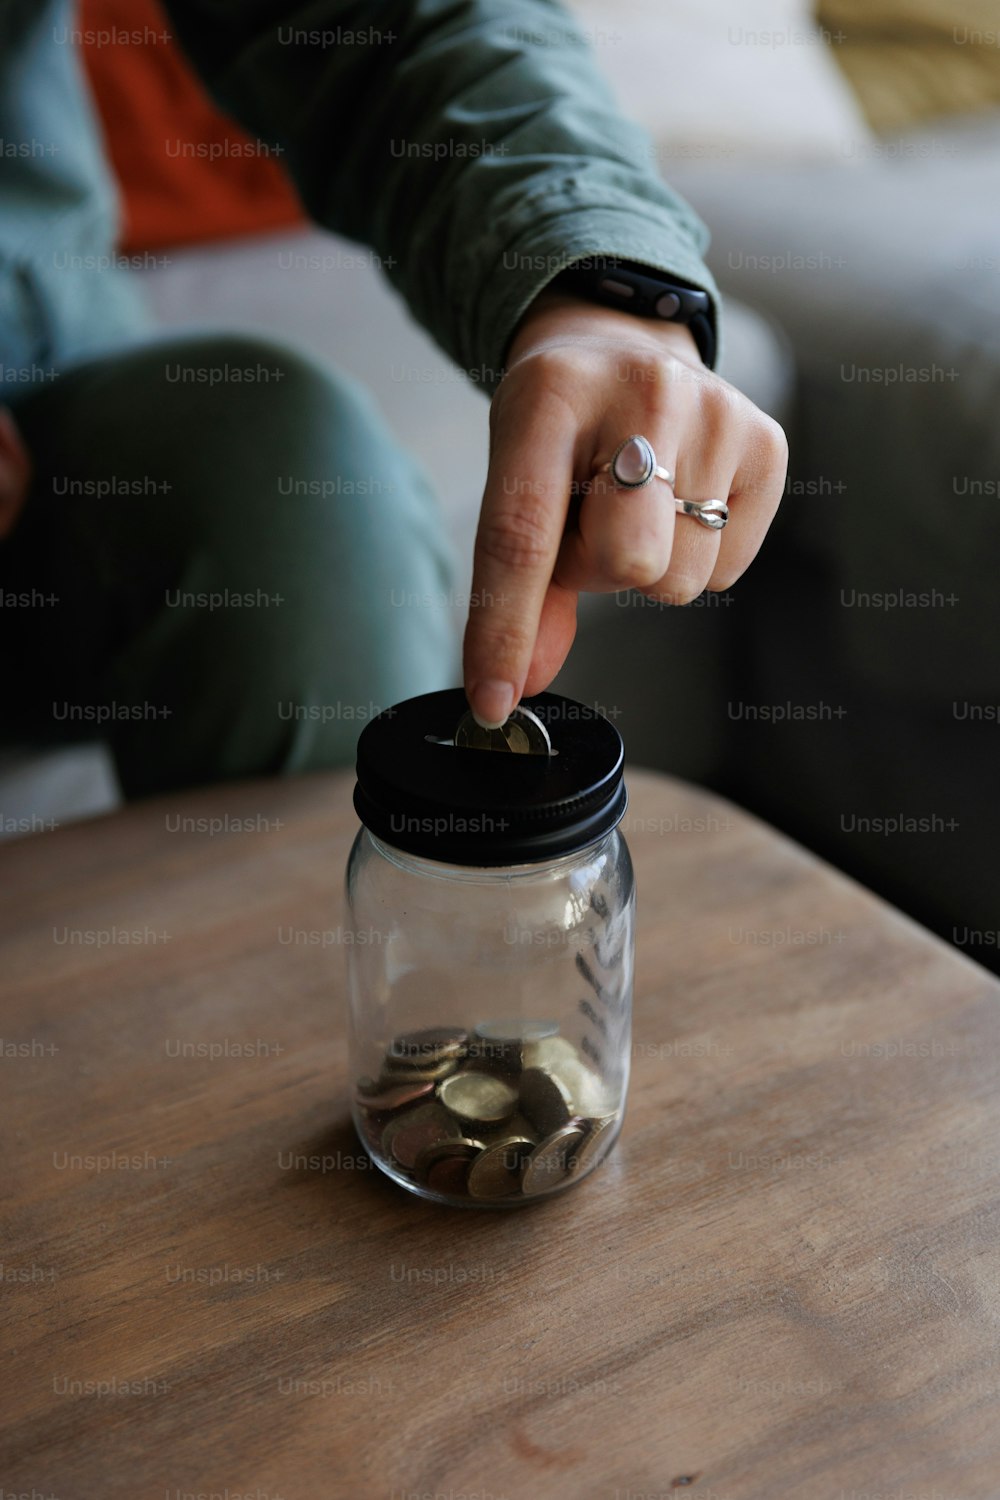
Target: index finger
x=521 y=523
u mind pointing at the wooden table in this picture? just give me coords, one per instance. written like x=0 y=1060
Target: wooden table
x=783 y=1283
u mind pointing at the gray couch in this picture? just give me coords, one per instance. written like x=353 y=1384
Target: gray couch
x=872 y=616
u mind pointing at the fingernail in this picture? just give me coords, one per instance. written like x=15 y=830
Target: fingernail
x=491 y=703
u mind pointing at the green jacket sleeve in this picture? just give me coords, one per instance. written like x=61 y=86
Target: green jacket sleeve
x=472 y=144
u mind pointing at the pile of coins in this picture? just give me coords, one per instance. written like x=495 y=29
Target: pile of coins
x=506 y=1111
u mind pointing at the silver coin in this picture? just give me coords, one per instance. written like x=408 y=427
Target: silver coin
x=523 y=733
x=513 y=1029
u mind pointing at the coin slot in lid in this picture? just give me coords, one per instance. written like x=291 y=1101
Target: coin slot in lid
x=521 y=733
x=433 y=739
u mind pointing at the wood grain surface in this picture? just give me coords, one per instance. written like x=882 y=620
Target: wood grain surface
x=783 y=1283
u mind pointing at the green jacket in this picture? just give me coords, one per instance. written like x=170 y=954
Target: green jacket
x=472 y=144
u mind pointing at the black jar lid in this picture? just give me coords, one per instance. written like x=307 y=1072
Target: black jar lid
x=421 y=793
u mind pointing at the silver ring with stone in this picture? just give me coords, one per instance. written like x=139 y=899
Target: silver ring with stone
x=633 y=464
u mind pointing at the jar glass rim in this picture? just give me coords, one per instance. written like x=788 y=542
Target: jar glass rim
x=538 y=869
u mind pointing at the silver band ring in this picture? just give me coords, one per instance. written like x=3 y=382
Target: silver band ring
x=633 y=465
x=711 y=513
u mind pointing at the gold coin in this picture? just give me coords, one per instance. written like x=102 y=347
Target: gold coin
x=516 y=1124
x=408 y=1134
x=546 y=1166
x=549 y=1052
x=425 y=1049
x=444 y=1165
x=449 y=1175
x=478 y=1098
x=496 y=1172
x=523 y=733
x=545 y=1100
x=589 y=1095
x=598 y=1139
x=395 y=1073
x=394 y=1096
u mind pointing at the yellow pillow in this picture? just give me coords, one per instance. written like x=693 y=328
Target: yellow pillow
x=914 y=60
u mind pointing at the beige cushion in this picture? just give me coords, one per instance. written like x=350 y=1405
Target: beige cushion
x=913 y=60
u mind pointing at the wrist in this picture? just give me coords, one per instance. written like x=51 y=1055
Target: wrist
x=556 y=316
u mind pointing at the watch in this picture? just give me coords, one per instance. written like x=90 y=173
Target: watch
x=636 y=288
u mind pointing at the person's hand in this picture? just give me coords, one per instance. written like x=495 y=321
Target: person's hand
x=580 y=379
x=15 y=472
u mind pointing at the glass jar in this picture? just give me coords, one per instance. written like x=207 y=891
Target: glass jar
x=491 y=907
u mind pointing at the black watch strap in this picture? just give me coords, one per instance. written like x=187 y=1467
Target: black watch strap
x=637 y=289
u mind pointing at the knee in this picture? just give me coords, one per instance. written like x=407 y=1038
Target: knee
x=263 y=403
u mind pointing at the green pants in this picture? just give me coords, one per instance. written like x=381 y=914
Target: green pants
x=224 y=568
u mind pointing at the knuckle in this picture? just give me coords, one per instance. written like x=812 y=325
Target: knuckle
x=724 y=403
x=629 y=567
x=515 y=537
x=554 y=363
x=771 y=442
x=680 y=589
x=642 y=368
x=658 y=383
x=552 y=374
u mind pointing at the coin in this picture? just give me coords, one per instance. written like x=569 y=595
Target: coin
x=515 y=1124
x=396 y=1096
x=545 y=1100
x=455 y=1148
x=426 y=1049
x=396 y=1073
x=496 y=1172
x=546 y=1166
x=478 y=1098
x=523 y=733
x=449 y=1176
x=503 y=1042
x=508 y=1109
x=406 y=1136
x=589 y=1095
x=516 y=1029
x=549 y=1052
x=597 y=1140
